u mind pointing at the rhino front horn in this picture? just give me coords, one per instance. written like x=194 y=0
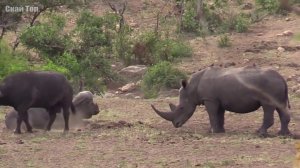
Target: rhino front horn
x=170 y=116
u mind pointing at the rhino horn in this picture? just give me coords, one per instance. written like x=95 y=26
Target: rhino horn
x=170 y=116
x=172 y=107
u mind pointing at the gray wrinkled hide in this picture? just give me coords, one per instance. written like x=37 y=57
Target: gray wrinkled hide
x=39 y=117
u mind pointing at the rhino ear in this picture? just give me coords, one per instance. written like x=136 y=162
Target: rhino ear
x=184 y=83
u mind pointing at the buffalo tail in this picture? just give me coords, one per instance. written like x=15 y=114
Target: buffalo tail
x=73 y=108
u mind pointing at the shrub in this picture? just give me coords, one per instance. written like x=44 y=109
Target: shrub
x=11 y=63
x=161 y=75
x=189 y=24
x=170 y=49
x=224 y=41
x=241 y=24
x=46 y=37
x=272 y=6
x=151 y=48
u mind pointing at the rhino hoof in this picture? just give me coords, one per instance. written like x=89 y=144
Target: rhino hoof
x=17 y=132
x=285 y=133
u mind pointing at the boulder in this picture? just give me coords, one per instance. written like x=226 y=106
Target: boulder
x=134 y=72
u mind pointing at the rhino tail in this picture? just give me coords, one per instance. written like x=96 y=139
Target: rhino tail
x=73 y=108
x=287 y=96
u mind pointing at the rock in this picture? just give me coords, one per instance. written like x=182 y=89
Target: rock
x=133 y=72
x=287 y=19
x=109 y=95
x=287 y=33
x=295 y=88
x=297 y=93
x=246 y=60
x=280 y=49
x=280 y=34
x=137 y=97
x=19 y=141
x=289 y=78
x=259 y=34
x=247 y=6
x=128 y=87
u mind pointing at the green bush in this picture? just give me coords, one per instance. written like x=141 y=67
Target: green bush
x=189 y=24
x=272 y=6
x=151 y=48
x=171 y=49
x=11 y=63
x=161 y=75
x=241 y=24
x=224 y=41
x=46 y=37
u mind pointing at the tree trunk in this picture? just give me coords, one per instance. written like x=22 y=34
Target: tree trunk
x=199 y=10
x=2 y=33
x=181 y=14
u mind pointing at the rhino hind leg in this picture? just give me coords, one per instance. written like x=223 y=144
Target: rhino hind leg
x=284 y=120
x=216 y=117
x=268 y=120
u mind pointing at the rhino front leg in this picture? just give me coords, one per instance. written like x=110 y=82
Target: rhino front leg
x=216 y=116
x=268 y=120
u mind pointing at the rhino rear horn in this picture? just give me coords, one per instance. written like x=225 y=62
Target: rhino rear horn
x=172 y=107
x=170 y=116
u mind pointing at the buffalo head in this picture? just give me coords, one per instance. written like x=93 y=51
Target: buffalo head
x=85 y=105
x=181 y=113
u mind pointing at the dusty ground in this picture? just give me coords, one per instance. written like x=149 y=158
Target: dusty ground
x=127 y=133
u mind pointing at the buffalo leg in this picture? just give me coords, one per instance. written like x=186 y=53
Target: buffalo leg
x=19 y=121
x=52 y=116
x=284 y=120
x=25 y=119
x=216 y=118
x=268 y=119
x=66 y=114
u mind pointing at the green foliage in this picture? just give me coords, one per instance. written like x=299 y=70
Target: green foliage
x=170 y=49
x=224 y=41
x=272 y=6
x=47 y=37
x=151 y=49
x=241 y=24
x=11 y=63
x=161 y=75
x=48 y=65
x=189 y=24
x=122 y=46
x=95 y=31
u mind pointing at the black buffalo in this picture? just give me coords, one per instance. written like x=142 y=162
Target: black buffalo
x=240 y=90
x=38 y=117
x=49 y=90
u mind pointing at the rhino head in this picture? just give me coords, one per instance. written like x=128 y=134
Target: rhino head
x=181 y=113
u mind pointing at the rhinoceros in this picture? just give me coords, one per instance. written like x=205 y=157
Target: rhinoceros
x=38 y=117
x=239 y=90
x=49 y=90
